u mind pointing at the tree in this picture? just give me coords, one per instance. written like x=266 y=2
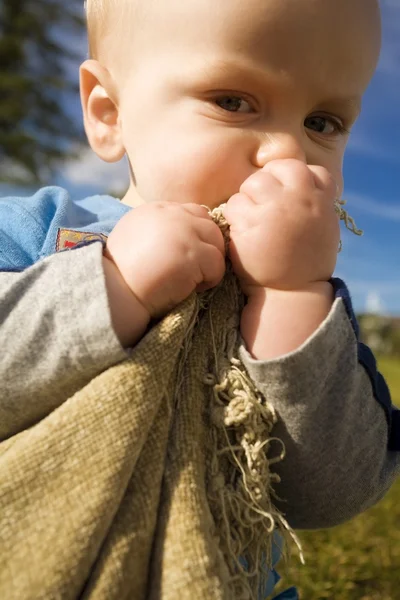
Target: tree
x=36 y=129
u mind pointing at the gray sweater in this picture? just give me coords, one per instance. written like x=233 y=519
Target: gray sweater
x=57 y=335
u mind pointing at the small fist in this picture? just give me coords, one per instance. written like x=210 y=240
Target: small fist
x=283 y=225
x=164 y=251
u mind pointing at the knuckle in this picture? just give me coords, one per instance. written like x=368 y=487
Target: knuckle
x=331 y=182
x=253 y=185
x=197 y=210
x=328 y=181
x=233 y=202
x=216 y=262
x=299 y=169
x=289 y=171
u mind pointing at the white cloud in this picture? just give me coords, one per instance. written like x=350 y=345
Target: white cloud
x=374 y=303
x=381 y=209
x=390 y=56
x=382 y=287
x=364 y=142
x=89 y=170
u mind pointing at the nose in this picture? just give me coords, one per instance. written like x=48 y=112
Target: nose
x=274 y=146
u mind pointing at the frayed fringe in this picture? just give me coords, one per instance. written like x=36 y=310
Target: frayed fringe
x=348 y=220
x=244 y=514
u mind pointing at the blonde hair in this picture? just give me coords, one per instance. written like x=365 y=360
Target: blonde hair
x=105 y=17
x=97 y=12
x=93 y=10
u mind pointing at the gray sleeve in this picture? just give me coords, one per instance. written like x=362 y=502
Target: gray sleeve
x=335 y=432
x=55 y=334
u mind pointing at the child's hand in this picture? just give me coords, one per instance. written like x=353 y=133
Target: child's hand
x=164 y=251
x=284 y=228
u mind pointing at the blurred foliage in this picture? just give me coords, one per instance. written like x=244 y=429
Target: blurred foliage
x=36 y=131
x=390 y=369
x=381 y=333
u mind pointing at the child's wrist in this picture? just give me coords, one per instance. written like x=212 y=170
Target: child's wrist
x=258 y=294
x=276 y=322
x=129 y=317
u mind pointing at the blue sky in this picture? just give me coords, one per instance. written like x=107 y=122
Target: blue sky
x=370 y=265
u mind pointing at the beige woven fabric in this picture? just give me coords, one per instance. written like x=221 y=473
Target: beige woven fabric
x=151 y=481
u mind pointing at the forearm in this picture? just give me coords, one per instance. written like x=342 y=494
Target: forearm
x=277 y=322
x=57 y=331
x=129 y=317
x=333 y=422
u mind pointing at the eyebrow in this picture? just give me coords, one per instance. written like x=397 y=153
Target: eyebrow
x=238 y=67
x=250 y=73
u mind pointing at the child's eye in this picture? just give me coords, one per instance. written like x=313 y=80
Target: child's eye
x=326 y=125
x=233 y=104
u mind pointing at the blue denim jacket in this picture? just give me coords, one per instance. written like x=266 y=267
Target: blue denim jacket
x=37 y=226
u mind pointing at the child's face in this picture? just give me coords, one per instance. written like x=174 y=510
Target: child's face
x=211 y=90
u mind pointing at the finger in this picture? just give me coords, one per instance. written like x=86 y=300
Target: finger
x=324 y=180
x=290 y=172
x=260 y=185
x=237 y=207
x=209 y=233
x=212 y=266
x=197 y=210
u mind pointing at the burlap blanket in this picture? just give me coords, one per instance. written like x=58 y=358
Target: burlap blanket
x=153 y=480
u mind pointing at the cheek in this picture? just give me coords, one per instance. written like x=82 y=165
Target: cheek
x=198 y=168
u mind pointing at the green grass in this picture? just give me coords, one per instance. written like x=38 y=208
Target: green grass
x=361 y=559
x=390 y=368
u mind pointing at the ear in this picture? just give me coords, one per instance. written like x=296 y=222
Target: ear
x=100 y=111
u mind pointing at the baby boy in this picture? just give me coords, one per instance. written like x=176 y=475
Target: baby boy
x=247 y=104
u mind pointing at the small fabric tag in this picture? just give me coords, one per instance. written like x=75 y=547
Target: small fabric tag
x=68 y=238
